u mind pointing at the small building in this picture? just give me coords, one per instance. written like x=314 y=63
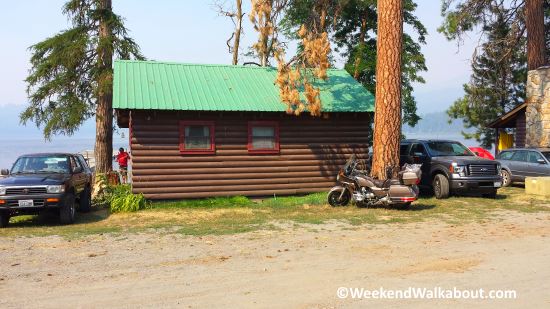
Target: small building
x=514 y=119
x=219 y=130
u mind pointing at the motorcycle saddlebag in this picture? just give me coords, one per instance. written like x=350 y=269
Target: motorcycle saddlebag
x=409 y=178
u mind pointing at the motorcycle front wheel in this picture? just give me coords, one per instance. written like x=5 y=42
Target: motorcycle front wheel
x=334 y=199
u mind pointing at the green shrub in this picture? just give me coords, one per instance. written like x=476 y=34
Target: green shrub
x=123 y=200
x=119 y=198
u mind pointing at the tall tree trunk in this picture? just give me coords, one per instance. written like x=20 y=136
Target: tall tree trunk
x=534 y=21
x=387 y=117
x=238 y=29
x=323 y=17
x=264 y=53
x=361 y=47
x=104 y=110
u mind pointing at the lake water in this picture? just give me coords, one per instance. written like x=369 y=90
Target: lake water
x=11 y=149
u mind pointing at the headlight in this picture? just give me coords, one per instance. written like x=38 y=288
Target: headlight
x=2 y=190
x=56 y=189
x=458 y=169
x=461 y=170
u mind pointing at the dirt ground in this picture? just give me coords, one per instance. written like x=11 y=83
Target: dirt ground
x=285 y=268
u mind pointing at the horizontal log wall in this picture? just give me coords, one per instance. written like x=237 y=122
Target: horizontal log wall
x=312 y=150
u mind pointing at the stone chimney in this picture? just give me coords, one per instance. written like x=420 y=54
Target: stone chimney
x=538 y=108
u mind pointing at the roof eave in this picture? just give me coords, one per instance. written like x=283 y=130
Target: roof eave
x=506 y=118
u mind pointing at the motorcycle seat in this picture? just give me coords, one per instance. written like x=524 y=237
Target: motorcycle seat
x=385 y=183
x=380 y=183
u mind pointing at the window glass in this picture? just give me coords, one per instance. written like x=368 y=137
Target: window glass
x=506 y=155
x=534 y=157
x=197 y=137
x=75 y=163
x=403 y=150
x=41 y=164
x=82 y=162
x=444 y=148
x=547 y=155
x=417 y=149
x=263 y=138
x=520 y=156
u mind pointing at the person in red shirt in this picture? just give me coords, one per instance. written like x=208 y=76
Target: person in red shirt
x=122 y=159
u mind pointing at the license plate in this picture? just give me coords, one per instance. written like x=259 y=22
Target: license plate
x=26 y=203
x=498 y=184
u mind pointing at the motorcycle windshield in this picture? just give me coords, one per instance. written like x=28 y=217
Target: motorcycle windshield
x=349 y=163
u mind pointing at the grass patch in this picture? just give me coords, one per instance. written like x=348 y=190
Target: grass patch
x=210 y=203
x=218 y=216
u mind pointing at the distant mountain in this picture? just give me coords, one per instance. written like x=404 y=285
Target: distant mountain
x=436 y=126
x=436 y=123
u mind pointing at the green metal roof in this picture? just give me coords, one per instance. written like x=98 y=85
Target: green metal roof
x=176 y=86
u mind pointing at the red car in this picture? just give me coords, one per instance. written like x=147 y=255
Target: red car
x=481 y=152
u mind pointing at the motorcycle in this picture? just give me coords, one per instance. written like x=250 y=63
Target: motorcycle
x=357 y=186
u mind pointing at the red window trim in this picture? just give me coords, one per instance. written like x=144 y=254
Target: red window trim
x=210 y=124
x=273 y=124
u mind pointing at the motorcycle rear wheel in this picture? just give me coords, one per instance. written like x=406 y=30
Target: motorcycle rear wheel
x=334 y=199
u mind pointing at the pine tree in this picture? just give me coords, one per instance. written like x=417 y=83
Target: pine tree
x=499 y=67
x=352 y=25
x=387 y=116
x=70 y=79
x=497 y=82
x=534 y=24
x=526 y=19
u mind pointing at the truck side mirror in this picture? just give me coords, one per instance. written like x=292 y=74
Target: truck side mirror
x=5 y=172
x=541 y=161
x=418 y=154
x=78 y=169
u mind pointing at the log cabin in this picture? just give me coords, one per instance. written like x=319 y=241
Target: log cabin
x=515 y=119
x=201 y=131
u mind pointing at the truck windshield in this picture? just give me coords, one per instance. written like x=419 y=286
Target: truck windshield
x=41 y=164
x=442 y=149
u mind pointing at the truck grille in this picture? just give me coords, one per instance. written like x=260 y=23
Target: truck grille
x=482 y=170
x=26 y=191
x=15 y=203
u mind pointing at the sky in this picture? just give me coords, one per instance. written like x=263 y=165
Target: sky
x=192 y=32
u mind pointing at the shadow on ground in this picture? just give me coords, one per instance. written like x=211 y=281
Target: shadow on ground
x=51 y=218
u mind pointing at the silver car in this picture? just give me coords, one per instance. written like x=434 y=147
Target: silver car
x=519 y=163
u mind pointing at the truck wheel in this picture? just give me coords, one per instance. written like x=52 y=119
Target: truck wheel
x=85 y=201
x=492 y=194
x=335 y=201
x=67 y=211
x=506 y=178
x=4 y=219
x=441 y=186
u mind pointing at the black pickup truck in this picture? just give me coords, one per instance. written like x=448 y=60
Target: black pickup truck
x=450 y=167
x=46 y=181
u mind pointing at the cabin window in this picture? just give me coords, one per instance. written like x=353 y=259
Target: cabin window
x=263 y=137
x=197 y=137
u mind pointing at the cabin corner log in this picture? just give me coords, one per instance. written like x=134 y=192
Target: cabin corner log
x=312 y=150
